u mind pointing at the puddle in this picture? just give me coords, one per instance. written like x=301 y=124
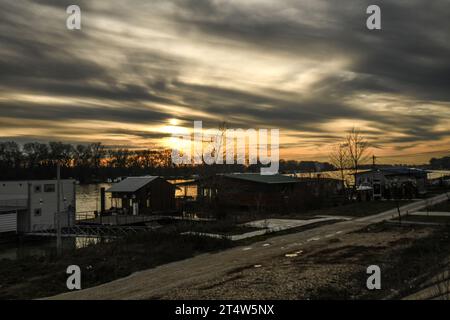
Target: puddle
x=257 y=266
x=266 y=244
x=246 y=249
x=293 y=255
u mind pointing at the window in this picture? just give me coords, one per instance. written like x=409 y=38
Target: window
x=37 y=212
x=37 y=188
x=49 y=188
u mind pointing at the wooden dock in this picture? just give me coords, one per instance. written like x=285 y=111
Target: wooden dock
x=91 y=231
x=127 y=220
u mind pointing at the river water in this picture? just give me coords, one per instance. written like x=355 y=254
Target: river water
x=88 y=197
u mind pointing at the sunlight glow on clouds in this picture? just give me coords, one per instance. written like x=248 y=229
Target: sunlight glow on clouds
x=310 y=68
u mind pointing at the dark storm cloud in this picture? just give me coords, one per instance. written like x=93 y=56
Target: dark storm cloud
x=32 y=111
x=250 y=109
x=408 y=59
x=410 y=55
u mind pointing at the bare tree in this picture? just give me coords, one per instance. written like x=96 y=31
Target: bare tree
x=357 y=147
x=339 y=158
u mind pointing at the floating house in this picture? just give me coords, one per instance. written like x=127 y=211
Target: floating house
x=390 y=183
x=27 y=206
x=274 y=193
x=143 y=195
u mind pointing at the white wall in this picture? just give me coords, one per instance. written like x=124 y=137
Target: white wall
x=42 y=199
x=46 y=202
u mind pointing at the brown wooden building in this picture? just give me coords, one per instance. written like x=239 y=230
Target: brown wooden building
x=143 y=195
x=274 y=193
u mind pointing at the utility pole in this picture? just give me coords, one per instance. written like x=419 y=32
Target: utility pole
x=58 y=209
x=373 y=176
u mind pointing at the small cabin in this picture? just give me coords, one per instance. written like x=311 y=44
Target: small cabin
x=27 y=206
x=397 y=182
x=143 y=195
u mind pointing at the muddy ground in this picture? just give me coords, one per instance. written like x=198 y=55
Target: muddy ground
x=336 y=268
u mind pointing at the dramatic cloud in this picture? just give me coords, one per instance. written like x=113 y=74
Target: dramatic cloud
x=310 y=68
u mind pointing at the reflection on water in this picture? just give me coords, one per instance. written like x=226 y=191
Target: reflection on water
x=43 y=247
x=88 y=197
x=185 y=190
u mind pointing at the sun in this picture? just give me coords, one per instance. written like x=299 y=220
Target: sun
x=174 y=122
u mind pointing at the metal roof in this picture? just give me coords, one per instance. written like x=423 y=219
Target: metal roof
x=259 y=178
x=397 y=171
x=131 y=184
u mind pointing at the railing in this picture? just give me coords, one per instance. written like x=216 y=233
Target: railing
x=115 y=218
x=89 y=230
x=86 y=215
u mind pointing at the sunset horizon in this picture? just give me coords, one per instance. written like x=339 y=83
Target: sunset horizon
x=135 y=72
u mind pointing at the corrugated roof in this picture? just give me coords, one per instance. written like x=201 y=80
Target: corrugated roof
x=397 y=171
x=131 y=184
x=259 y=178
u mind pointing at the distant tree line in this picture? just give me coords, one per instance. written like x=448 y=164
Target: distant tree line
x=85 y=163
x=95 y=162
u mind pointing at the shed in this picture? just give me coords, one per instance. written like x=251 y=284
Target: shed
x=143 y=195
x=394 y=182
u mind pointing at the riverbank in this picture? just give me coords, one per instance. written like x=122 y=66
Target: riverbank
x=206 y=275
x=40 y=276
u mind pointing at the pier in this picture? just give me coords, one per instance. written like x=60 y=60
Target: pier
x=94 y=231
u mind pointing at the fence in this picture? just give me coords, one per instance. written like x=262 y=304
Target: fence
x=89 y=231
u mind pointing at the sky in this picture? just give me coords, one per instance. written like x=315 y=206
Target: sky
x=141 y=69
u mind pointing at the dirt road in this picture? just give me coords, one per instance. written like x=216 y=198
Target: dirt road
x=157 y=282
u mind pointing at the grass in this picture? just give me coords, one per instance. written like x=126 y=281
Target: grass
x=36 y=277
x=405 y=269
x=266 y=236
x=360 y=209
x=436 y=190
x=410 y=267
x=406 y=264
x=430 y=219
x=222 y=227
x=441 y=207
